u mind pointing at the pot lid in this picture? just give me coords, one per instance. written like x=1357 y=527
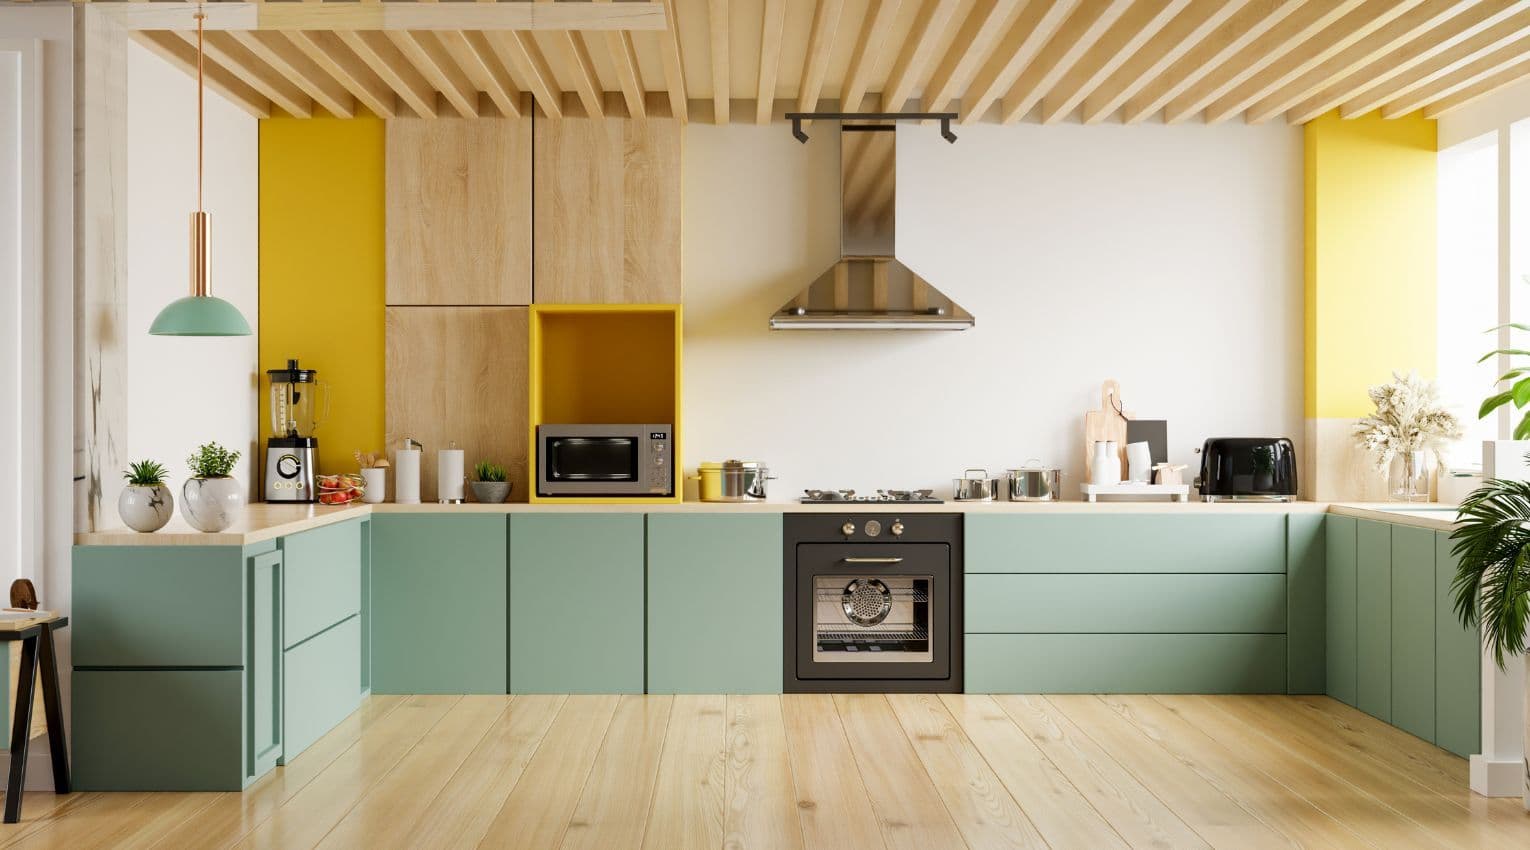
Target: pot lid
x=732 y=464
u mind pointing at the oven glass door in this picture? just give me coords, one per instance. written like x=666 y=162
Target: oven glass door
x=871 y=618
x=598 y=459
x=873 y=611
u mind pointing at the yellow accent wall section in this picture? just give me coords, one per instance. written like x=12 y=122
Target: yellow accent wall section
x=1370 y=257
x=322 y=272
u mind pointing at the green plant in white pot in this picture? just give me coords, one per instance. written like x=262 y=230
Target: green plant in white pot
x=145 y=504
x=212 y=498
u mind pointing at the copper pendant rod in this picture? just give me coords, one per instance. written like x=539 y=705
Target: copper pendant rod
x=199 y=235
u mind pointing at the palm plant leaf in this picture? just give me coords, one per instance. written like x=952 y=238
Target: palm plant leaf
x=1492 y=582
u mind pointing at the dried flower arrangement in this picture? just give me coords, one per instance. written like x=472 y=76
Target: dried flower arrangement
x=1408 y=418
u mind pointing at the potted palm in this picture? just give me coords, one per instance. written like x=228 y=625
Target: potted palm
x=212 y=497
x=492 y=486
x=145 y=504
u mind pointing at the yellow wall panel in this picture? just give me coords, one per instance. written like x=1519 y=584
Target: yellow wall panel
x=1370 y=257
x=322 y=271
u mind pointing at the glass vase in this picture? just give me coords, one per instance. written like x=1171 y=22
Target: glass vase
x=1409 y=478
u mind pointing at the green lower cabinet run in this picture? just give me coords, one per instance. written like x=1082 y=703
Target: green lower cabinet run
x=713 y=621
x=1413 y=623
x=1125 y=663
x=439 y=600
x=1373 y=619
x=576 y=603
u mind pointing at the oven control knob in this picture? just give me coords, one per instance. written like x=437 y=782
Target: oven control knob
x=897 y=528
x=848 y=528
x=873 y=528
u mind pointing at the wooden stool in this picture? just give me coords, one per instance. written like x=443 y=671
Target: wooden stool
x=35 y=635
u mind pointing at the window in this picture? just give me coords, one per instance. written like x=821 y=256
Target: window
x=1467 y=303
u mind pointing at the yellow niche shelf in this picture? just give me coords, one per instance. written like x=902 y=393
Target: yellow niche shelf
x=595 y=364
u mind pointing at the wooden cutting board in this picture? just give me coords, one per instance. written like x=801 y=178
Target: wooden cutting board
x=1107 y=423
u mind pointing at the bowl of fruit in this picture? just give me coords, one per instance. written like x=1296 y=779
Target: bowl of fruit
x=340 y=489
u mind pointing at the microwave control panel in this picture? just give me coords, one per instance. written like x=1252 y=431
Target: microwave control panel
x=657 y=470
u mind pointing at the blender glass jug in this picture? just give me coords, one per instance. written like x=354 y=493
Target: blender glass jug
x=295 y=401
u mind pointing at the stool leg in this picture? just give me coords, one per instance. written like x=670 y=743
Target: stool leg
x=54 y=710
x=21 y=729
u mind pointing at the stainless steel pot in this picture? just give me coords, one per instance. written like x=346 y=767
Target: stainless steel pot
x=975 y=488
x=732 y=481
x=1034 y=483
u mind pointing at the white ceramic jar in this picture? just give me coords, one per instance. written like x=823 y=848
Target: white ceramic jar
x=145 y=508
x=211 y=504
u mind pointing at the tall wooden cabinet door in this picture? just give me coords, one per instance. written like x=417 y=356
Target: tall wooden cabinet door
x=607 y=227
x=576 y=603
x=459 y=211
x=1457 y=664
x=1373 y=619
x=1413 y=623
x=1340 y=610
x=459 y=375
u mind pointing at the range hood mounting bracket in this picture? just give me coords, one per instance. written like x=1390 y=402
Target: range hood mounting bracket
x=945 y=119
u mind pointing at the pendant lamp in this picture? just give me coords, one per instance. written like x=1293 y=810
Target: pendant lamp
x=199 y=314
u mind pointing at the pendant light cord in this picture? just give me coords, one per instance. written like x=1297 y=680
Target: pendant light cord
x=201 y=15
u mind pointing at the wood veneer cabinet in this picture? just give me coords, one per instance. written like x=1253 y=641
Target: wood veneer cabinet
x=459 y=211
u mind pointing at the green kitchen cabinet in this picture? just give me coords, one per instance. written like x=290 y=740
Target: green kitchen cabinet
x=1373 y=618
x=323 y=684
x=714 y=606
x=1457 y=663
x=159 y=606
x=1413 y=627
x=1306 y=605
x=1125 y=543
x=576 y=603
x=1125 y=663
x=1340 y=634
x=1204 y=603
x=159 y=730
x=439 y=604
x=323 y=580
x=264 y=671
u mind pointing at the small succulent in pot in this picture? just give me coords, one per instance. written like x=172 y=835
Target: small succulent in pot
x=492 y=485
x=212 y=498
x=145 y=503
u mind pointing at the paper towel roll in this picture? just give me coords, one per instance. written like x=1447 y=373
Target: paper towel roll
x=449 y=475
x=406 y=477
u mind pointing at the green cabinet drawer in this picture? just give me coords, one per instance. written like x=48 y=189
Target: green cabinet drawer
x=323 y=584
x=1341 y=607
x=159 y=606
x=1457 y=664
x=322 y=685
x=1139 y=663
x=158 y=730
x=714 y=603
x=1413 y=625
x=439 y=604
x=1125 y=543
x=1126 y=604
x=1306 y=594
x=576 y=603
x=1373 y=618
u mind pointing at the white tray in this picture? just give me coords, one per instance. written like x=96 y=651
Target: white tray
x=1133 y=489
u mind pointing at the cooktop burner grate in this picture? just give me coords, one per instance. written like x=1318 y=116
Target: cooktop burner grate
x=913 y=497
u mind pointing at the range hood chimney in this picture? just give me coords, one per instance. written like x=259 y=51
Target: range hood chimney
x=869 y=287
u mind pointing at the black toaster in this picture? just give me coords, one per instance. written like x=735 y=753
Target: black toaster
x=1248 y=468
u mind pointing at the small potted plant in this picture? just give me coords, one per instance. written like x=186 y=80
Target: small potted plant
x=145 y=504
x=212 y=497
x=491 y=487
x=1409 y=420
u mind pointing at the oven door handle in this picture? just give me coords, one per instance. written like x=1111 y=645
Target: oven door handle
x=872 y=560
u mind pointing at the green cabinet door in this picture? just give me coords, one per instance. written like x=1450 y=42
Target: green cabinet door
x=323 y=684
x=576 y=603
x=323 y=584
x=1373 y=618
x=1413 y=624
x=714 y=603
x=1306 y=594
x=263 y=664
x=158 y=730
x=159 y=606
x=1125 y=543
x=1340 y=609
x=438 y=607
x=1457 y=664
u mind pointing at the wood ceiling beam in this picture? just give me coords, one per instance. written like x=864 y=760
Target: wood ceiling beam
x=276 y=50
x=1493 y=65
x=576 y=57
x=934 y=18
x=1083 y=28
x=1189 y=28
x=880 y=15
x=471 y=52
x=429 y=58
x=221 y=48
x=1420 y=22
x=1032 y=30
x=820 y=44
x=1436 y=67
x=406 y=17
x=1119 y=43
x=624 y=61
x=1323 y=46
x=1294 y=30
x=674 y=64
x=385 y=60
x=717 y=27
x=1479 y=90
x=519 y=52
x=327 y=52
x=177 y=52
x=985 y=24
x=772 y=23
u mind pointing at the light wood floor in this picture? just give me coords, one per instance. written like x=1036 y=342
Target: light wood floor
x=837 y=772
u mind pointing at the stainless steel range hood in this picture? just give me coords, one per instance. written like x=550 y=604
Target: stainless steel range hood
x=869 y=288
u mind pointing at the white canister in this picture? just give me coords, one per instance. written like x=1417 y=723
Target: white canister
x=406 y=479
x=1139 y=462
x=450 y=476
x=375 y=483
x=1106 y=466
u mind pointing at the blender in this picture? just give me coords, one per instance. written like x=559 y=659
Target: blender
x=292 y=452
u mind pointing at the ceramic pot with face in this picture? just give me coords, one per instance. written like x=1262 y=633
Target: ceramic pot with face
x=211 y=504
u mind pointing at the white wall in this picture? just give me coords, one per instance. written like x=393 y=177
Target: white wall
x=184 y=391
x=1168 y=257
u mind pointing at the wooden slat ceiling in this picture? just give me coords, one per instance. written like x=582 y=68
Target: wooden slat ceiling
x=992 y=60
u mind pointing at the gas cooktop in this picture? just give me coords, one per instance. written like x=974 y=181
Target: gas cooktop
x=913 y=497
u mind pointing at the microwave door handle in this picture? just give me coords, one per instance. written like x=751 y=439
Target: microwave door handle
x=872 y=560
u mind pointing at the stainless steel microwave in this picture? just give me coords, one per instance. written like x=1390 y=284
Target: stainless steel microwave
x=605 y=460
